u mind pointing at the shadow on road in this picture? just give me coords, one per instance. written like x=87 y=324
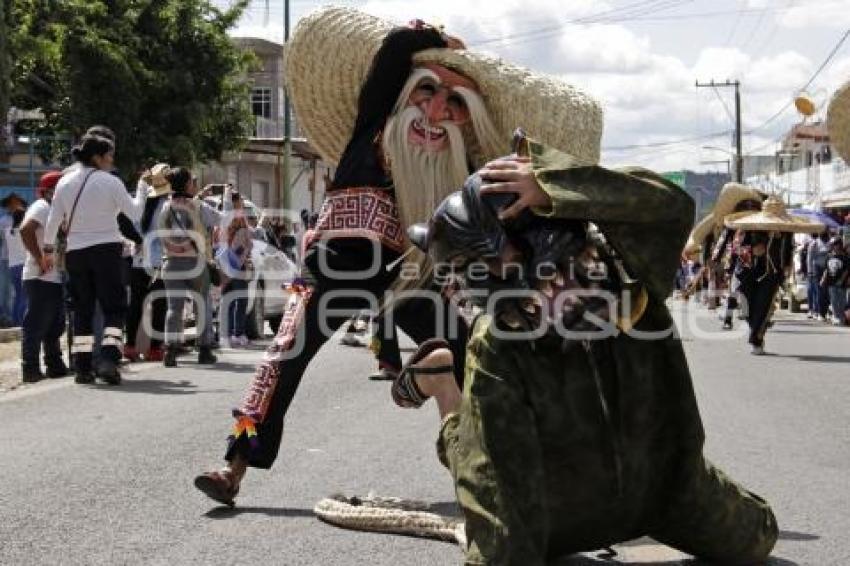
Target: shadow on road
x=446 y=508
x=795 y=536
x=232 y=512
x=235 y=368
x=818 y=359
x=606 y=558
x=802 y=332
x=156 y=387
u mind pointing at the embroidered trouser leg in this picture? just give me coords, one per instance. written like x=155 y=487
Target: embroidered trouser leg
x=306 y=326
x=308 y=322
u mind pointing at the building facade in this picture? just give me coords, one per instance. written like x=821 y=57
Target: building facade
x=258 y=171
x=805 y=170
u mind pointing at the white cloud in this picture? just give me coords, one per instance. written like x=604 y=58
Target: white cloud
x=649 y=96
x=816 y=13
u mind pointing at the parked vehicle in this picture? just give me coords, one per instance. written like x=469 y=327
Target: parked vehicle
x=272 y=272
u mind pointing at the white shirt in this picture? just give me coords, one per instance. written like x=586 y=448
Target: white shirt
x=5 y=222
x=39 y=211
x=17 y=253
x=96 y=217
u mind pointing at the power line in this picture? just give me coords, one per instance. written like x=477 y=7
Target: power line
x=667 y=143
x=805 y=86
x=719 y=13
x=624 y=13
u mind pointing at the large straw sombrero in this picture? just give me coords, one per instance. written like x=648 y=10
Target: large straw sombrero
x=773 y=218
x=731 y=195
x=699 y=234
x=329 y=55
x=838 y=121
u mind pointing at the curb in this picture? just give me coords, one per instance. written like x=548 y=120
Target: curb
x=10 y=334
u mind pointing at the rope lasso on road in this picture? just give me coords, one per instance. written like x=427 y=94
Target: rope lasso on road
x=390 y=515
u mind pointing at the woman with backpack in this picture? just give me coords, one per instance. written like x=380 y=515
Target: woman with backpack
x=184 y=226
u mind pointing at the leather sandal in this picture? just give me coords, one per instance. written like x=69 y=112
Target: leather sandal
x=218 y=486
x=404 y=390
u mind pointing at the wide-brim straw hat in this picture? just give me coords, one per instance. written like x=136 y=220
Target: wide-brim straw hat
x=838 y=122
x=159 y=180
x=731 y=195
x=329 y=55
x=700 y=232
x=773 y=218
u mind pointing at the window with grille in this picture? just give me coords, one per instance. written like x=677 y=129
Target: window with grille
x=261 y=102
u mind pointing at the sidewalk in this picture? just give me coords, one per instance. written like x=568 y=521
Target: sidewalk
x=10 y=360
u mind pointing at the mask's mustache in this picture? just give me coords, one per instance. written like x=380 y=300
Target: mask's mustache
x=413 y=114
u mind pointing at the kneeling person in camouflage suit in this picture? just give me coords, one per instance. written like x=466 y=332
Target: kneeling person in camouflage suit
x=587 y=434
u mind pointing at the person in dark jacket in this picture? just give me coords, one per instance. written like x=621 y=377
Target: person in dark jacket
x=586 y=434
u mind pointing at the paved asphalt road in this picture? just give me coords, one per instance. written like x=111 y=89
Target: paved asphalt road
x=100 y=475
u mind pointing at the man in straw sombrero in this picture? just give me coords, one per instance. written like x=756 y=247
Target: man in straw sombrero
x=405 y=114
x=765 y=260
x=718 y=245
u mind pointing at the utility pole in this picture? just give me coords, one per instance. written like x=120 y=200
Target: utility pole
x=739 y=156
x=285 y=200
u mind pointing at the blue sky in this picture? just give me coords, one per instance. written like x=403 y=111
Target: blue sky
x=641 y=59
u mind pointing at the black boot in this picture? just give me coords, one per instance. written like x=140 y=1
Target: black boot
x=53 y=360
x=31 y=373
x=82 y=368
x=107 y=370
x=205 y=356
x=55 y=371
x=55 y=366
x=84 y=376
x=170 y=359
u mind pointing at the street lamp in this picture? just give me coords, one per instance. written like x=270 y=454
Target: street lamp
x=699 y=192
x=738 y=166
x=728 y=163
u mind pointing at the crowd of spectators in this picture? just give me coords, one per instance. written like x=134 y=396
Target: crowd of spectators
x=126 y=269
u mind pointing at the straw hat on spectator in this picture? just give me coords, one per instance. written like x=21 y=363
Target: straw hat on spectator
x=157 y=178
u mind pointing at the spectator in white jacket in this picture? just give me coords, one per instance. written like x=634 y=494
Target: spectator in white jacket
x=85 y=207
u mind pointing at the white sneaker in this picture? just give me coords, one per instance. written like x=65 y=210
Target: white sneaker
x=758 y=351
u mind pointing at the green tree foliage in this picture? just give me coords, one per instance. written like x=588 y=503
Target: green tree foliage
x=5 y=62
x=162 y=74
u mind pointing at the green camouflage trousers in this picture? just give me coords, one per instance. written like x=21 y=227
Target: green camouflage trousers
x=567 y=447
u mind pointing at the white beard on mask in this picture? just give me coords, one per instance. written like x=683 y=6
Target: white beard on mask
x=421 y=179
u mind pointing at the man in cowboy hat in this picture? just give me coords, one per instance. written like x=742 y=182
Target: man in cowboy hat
x=577 y=427
x=402 y=112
